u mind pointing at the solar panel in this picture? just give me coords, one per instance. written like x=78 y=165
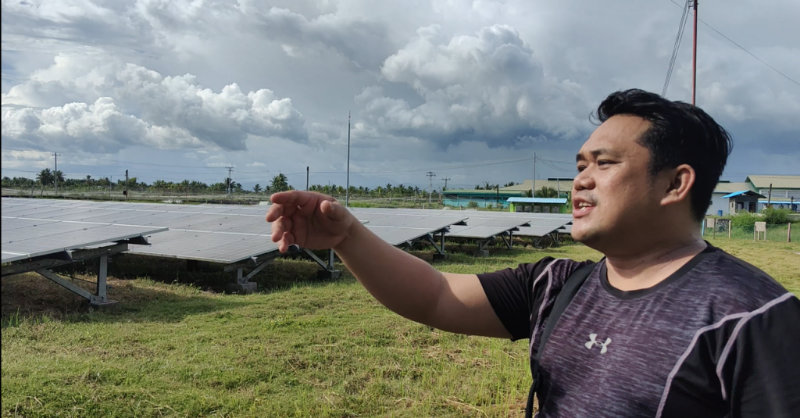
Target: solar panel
x=485 y=225
x=216 y=247
x=25 y=238
x=200 y=232
x=401 y=226
x=541 y=226
x=232 y=233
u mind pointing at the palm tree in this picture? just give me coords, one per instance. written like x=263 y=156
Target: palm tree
x=45 y=177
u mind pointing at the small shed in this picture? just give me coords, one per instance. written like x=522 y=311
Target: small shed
x=536 y=204
x=743 y=201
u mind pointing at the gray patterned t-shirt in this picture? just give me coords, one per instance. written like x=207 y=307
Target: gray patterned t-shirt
x=719 y=337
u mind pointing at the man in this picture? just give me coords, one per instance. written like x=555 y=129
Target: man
x=664 y=325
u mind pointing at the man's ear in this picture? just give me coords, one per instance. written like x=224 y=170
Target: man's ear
x=681 y=181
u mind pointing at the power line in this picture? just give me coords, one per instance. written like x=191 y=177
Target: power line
x=676 y=47
x=751 y=54
x=754 y=56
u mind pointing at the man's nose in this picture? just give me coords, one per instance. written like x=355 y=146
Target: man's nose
x=583 y=180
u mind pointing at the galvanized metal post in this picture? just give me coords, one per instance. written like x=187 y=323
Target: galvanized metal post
x=101 y=279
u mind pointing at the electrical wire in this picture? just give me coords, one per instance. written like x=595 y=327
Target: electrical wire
x=676 y=47
x=738 y=45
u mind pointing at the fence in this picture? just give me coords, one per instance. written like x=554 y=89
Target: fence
x=760 y=231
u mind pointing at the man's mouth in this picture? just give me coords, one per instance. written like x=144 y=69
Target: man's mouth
x=582 y=208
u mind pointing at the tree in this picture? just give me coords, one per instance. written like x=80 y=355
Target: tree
x=45 y=177
x=160 y=185
x=257 y=188
x=546 y=192
x=218 y=187
x=279 y=183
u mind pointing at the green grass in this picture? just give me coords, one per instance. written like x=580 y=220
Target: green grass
x=304 y=349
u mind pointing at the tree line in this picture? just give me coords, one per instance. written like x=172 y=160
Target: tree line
x=49 y=179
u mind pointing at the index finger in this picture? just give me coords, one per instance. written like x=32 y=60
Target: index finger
x=282 y=205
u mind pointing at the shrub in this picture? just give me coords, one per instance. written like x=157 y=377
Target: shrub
x=744 y=220
x=776 y=216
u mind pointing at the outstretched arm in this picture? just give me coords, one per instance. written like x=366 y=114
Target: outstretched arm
x=404 y=283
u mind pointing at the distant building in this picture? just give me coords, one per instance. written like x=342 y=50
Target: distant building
x=724 y=200
x=782 y=191
x=538 y=204
x=467 y=198
x=720 y=202
x=742 y=201
x=753 y=195
x=563 y=186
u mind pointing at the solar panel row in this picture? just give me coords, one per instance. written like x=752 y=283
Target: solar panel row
x=24 y=238
x=222 y=233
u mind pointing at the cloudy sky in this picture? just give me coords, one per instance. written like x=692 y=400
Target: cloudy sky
x=467 y=90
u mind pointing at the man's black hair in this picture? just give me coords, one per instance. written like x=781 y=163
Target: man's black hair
x=679 y=133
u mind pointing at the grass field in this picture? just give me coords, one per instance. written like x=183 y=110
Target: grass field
x=304 y=349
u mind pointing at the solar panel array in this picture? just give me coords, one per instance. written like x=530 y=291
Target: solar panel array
x=485 y=225
x=30 y=229
x=218 y=233
x=401 y=226
x=542 y=224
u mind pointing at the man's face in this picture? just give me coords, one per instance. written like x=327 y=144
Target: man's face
x=612 y=194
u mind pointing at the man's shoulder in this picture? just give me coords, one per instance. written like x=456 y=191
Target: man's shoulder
x=737 y=280
x=557 y=268
x=547 y=272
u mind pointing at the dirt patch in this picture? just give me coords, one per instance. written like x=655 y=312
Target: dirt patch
x=30 y=294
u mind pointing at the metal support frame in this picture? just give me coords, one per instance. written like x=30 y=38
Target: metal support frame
x=547 y=240
x=258 y=263
x=243 y=280
x=99 y=298
x=482 y=244
x=431 y=238
x=327 y=266
x=506 y=237
x=44 y=265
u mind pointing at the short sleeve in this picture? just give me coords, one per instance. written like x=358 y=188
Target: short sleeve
x=517 y=294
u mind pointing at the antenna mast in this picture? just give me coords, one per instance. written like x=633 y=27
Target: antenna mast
x=694 y=54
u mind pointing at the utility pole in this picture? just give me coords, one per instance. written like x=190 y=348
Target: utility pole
x=694 y=54
x=769 y=197
x=533 y=182
x=445 y=183
x=230 y=179
x=55 y=173
x=306 y=178
x=125 y=191
x=430 y=175
x=347 y=186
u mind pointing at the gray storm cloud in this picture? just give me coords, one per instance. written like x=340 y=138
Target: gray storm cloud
x=238 y=82
x=489 y=86
x=105 y=106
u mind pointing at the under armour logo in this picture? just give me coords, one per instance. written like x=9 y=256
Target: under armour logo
x=593 y=341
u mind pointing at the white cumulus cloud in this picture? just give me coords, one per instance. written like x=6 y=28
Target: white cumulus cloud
x=107 y=105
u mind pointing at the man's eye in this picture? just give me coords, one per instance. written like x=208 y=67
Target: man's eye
x=604 y=162
x=581 y=168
